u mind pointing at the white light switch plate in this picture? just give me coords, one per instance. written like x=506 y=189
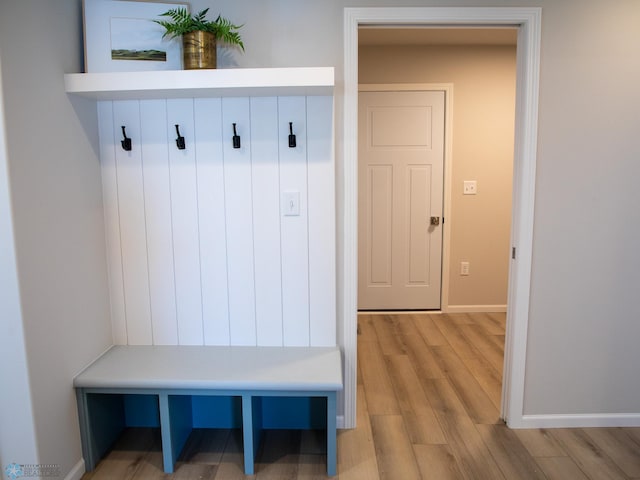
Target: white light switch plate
x=291 y=203
x=470 y=187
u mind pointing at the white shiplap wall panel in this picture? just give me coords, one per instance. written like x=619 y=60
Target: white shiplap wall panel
x=157 y=194
x=239 y=218
x=200 y=251
x=295 y=241
x=112 y=220
x=266 y=220
x=322 y=228
x=184 y=208
x=132 y=226
x=211 y=214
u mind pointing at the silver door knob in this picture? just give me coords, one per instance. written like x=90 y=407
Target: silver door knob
x=435 y=221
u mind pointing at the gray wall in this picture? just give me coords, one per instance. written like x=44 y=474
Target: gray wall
x=17 y=439
x=56 y=199
x=582 y=352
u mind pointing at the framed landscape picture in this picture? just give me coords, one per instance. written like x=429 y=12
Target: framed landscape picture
x=120 y=36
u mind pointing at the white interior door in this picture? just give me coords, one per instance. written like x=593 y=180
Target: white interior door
x=401 y=157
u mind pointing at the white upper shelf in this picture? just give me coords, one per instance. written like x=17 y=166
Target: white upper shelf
x=202 y=83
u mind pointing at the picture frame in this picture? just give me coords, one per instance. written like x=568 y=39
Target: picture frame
x=120 y=36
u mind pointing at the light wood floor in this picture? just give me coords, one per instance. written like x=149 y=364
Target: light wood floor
x=428 y=408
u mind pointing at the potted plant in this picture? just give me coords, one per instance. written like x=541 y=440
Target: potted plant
x=199 y=36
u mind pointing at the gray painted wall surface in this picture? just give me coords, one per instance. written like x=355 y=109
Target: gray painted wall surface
x=56 y=199
x=17 y=440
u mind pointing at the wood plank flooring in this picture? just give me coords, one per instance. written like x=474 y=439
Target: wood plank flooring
x=429 y=391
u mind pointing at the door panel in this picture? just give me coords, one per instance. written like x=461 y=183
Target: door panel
x=400 y=127
x=401 y=157
x=417 y=237
x=380 y=221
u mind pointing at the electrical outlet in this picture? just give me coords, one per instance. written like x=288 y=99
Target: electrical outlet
x=464 y=268
x=470 y=187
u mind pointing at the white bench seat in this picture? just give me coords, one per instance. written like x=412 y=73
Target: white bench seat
x=176 y=373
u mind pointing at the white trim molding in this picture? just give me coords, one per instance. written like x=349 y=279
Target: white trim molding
x=528 y=59
x=475 y=309
x=400 y=312
x=588 y=420
x=77 y=471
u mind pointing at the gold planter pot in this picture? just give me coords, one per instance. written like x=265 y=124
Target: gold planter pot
x=199 y=50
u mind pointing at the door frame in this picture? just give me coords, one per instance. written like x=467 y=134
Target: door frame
x=528 y=21
x=447 y=88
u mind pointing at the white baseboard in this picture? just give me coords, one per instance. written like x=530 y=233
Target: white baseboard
x=399 y=312
x=77 y=471
x=475 y=309
x=577 y=420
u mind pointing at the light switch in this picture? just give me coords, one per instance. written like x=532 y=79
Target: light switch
x=291 y=203
x=464 y=268
x=470 y=187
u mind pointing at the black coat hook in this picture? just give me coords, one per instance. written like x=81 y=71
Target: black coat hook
x=180 y=140
x=236 y=137
x=292 y=137
x=125 y=142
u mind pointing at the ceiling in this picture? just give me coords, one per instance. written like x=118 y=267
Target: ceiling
x=375 y=36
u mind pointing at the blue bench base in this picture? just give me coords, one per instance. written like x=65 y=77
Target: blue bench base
x=103 y=415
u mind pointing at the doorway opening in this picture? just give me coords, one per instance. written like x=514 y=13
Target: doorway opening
x=396 y=235
x=527 y=21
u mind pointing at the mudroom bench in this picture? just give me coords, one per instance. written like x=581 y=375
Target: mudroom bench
x=179 y=388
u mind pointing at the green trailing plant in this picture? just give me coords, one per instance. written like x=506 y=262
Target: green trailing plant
x=181 y=23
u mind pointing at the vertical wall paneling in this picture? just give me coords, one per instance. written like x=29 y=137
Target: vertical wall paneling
x=132 y=225
x=184 y=209
x=266 y=220
x=322 y=234
x=204 y=245
x=211 y=214
x=157 y=195
x=239 y=218
x=294 y=243
x=112 y=220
